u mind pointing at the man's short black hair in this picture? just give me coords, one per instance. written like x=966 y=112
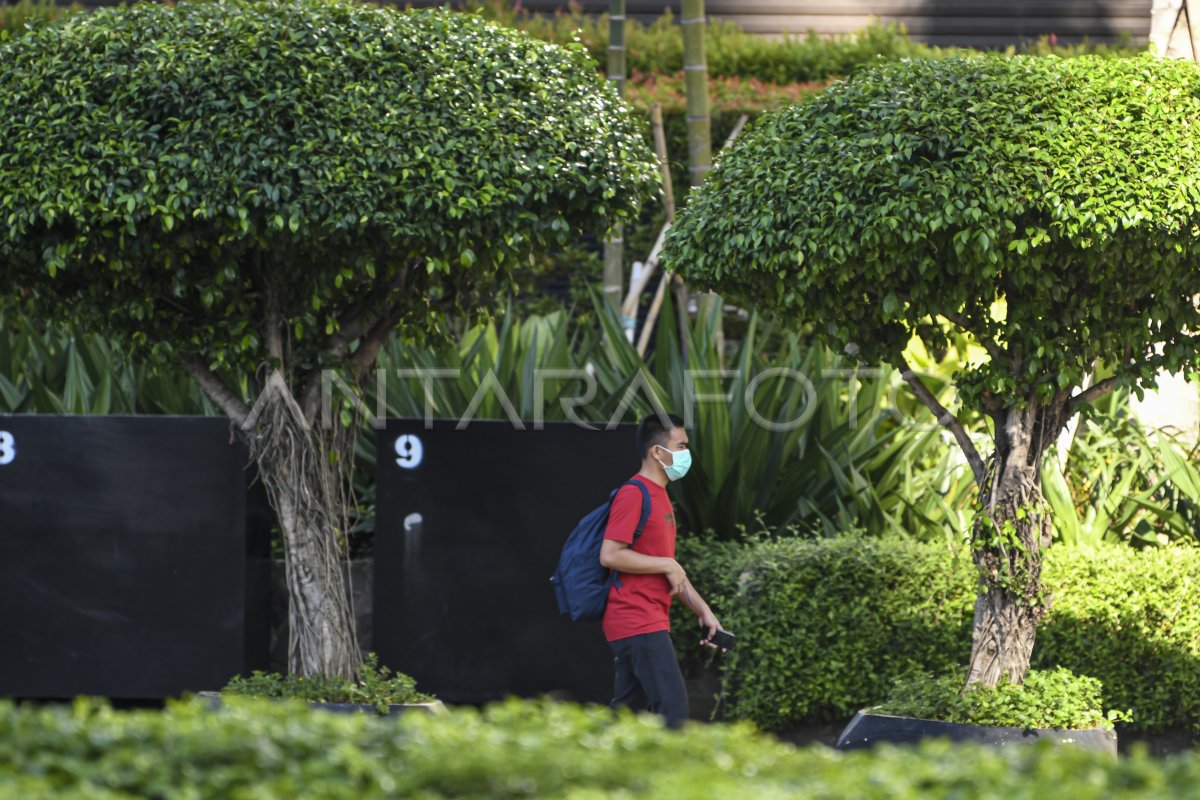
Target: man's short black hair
x=655 y=429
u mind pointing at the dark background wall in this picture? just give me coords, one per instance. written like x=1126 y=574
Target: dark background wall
x=129 y=567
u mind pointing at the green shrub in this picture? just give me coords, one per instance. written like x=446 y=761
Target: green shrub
x=376 y=686
x=259 y=750
x=824 y=627
x=1130 y=618
x=1055 y=699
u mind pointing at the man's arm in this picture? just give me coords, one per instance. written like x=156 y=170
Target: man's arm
x=696 y=603
x=617 y=555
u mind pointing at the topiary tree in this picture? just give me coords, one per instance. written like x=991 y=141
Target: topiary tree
x=262 y=191
x=1048 y=208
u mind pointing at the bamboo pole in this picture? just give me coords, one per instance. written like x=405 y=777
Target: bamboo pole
x=737 y=130
x=680 y=289
x=699 y=122
x=614 y=245
x=652 y=316
x=660 y=146
x=629 y=307
x=695 y=75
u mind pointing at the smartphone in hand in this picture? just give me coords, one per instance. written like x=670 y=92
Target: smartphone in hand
x=723 y=639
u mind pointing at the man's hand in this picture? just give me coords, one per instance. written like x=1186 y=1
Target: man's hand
x=676 y=577
x=708 y=622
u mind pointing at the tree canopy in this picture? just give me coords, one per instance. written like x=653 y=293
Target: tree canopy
x=181 y=174
x=1048 y=206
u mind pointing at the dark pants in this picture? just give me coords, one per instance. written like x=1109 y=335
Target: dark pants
x=648 y=677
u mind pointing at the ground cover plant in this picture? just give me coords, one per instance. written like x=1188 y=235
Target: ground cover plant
x=376 y=685
x=256 y=191
x=1046 y=207
x=1054 y=699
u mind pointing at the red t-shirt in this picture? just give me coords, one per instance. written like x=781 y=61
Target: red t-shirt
x=641 y=603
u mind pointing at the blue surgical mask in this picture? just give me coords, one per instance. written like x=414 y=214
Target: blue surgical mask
x=681 y=461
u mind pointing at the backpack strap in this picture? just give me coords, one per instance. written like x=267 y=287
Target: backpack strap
x=614 y=576
x=645 y=517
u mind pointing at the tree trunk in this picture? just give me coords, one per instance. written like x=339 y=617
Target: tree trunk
x=320 y=618
x=305 y=471
x=300 y=466
x=1009 y=534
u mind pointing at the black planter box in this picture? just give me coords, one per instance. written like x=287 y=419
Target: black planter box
x=867 y=730
x=469 y=527
x=129 y=570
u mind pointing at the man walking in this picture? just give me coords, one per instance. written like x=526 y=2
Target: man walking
x=636 y=620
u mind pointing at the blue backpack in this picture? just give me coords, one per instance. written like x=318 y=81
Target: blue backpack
x=581 y=582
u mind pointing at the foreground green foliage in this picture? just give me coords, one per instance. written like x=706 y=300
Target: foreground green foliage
x=824 y=627
x=1054 y=699
x=376 y=685
x=515 y=750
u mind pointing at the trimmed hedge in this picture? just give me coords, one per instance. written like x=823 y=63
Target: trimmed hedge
x=1132 y=619
x=824 y=627
x=253 y=749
